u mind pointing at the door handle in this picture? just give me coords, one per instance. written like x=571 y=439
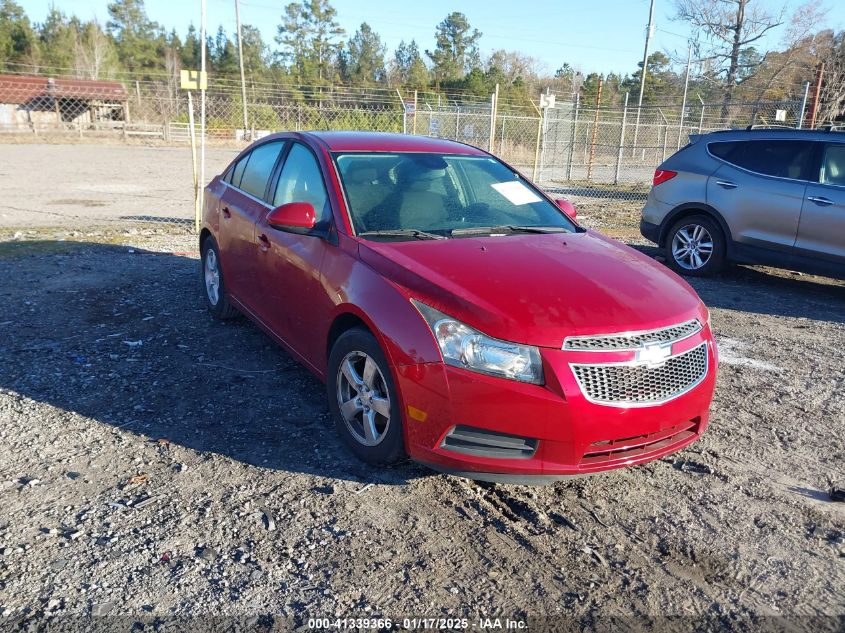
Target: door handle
x=822 y=202
x=726 y=184
x=226 y=212
x=264 y=242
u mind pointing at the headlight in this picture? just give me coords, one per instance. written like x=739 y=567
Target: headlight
x=463 y=346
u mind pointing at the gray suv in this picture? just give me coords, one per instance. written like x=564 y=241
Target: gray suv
x=766 y=196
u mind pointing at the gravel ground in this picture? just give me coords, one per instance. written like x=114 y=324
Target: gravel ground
x=50 y=185
x=155 y=463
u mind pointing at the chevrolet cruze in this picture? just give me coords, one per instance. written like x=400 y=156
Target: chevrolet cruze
x=456 y=314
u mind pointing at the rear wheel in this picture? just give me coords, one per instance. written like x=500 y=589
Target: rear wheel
x=216 y=298
x=695 y=246
x=363 y=398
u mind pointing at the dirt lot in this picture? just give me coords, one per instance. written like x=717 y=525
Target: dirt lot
x=155 y=463
x=80 y=185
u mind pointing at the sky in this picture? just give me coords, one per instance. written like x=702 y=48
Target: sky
x=592 y=36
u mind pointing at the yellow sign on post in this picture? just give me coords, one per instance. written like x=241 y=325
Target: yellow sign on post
x=193 y=80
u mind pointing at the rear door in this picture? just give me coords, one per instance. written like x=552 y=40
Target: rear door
x=293 y=301
x=759 y=189
x=821 y=231
x=243 y=202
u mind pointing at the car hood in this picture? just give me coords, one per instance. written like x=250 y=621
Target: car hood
x=538 y=289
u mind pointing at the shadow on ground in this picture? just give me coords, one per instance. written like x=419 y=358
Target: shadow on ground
x=769 y=291
x=122 y=336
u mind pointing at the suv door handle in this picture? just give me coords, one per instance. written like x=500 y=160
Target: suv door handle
x=264 y=242
x=822 y=202
x=726 y=184
x=226 y=212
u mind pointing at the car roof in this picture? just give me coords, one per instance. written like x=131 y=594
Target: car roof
x=776 y=133
x=389 y=142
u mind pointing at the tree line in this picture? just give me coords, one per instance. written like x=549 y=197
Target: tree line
x=312 y=49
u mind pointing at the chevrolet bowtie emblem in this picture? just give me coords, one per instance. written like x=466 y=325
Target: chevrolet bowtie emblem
x=654 y=354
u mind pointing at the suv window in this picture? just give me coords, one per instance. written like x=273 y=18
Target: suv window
x=258 y=168
x=302 y=181
x=726 y=150
x=833 y=166
x=781 y=158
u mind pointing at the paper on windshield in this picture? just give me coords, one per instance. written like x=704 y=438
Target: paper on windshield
x=516 y=192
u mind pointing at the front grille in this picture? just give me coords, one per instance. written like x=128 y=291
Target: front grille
x=631 y=340
x=632 y=384
x=469 y=440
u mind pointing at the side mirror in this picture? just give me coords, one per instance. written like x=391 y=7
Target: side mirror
x=567 y=207
x=293 y=215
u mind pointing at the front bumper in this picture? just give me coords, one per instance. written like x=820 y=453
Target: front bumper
x=571 y=436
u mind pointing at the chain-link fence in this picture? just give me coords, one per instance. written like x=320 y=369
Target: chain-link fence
x=603 y=155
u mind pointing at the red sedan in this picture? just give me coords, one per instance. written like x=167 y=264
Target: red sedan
x=457 y=314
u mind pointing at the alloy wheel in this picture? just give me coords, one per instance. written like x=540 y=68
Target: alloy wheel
x=212 y=276
x=692 y=247
x=363 y=398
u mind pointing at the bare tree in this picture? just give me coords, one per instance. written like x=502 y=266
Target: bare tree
x=832 y=98
x=781 y=73
x=729 y=27
x=94 y=54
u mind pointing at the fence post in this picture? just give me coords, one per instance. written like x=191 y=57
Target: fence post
x=665 y=134
x=595 y=132
x=457 y=122
x=621 y=140
x=803 y=105
x=537 y=144
x=404 y=112
x=572 y=138
x=415 y=112
x=494 y=106
x=701 y=119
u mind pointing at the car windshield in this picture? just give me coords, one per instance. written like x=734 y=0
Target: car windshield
x=431 y=196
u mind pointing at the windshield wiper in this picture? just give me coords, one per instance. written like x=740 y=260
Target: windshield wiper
x=507 y=228
x=420 y=235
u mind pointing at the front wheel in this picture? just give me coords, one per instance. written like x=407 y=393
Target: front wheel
x=695 y=246
x=363 y=398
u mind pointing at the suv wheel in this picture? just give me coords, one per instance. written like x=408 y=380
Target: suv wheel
x=695 y=246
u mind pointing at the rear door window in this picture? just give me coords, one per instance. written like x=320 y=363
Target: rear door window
x=257 y=172
x=833 y=165
x=726 y=150
x=781 y=158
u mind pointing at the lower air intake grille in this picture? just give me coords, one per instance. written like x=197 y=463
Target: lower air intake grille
x=469 y=440
x=630 y=384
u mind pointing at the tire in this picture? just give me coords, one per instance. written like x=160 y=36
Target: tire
x=214 y=288
x=708 y=255
x=368 y=393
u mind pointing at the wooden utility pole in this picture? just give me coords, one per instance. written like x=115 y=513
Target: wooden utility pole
x=816 y=95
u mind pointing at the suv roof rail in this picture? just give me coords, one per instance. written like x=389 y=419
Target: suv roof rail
x=766 y=126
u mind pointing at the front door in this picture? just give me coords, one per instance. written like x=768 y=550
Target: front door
x=821 y=232
x=293 y=300
x=760 y=190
